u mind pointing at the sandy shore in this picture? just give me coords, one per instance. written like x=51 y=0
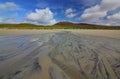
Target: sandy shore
x=59 y=54
x=106 y=33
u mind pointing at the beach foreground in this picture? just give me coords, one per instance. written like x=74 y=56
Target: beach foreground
x=59 y=54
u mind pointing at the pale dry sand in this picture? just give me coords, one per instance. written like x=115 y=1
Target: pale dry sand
x=59 y=54
x=106 y=33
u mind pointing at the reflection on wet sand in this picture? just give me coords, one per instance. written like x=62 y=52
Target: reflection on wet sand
x=59 y=55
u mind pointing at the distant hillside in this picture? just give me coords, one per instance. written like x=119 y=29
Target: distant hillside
x=85 y=26
x=60 y=25
x=66 y=24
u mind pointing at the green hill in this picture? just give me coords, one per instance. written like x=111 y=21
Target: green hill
x=60 y=25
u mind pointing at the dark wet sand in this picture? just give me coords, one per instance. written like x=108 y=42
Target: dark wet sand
x=60 y=55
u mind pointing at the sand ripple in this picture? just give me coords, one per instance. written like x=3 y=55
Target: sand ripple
x=62 y=55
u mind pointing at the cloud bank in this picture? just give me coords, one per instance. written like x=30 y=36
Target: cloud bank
x=98 y=14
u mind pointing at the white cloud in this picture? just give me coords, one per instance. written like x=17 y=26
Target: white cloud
x=96 y=13
x=70 y=13
x=93 y=14
x=114 y=17
x=5 y=8
x=110 y=4
x=42 y=16
x=9 y=19
x=8 y=6
x=70 y=10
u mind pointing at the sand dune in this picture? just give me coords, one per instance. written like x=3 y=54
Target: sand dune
x=59 y=55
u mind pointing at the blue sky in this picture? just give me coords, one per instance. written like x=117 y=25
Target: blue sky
x=48 y=12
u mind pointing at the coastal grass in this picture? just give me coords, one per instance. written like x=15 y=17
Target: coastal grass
x=32 y=26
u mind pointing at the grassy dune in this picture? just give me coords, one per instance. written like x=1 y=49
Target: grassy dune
x=60 y=25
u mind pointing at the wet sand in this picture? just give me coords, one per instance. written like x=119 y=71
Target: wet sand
x=59 y=54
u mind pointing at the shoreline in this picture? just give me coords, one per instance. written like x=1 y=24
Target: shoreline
x=105 y=33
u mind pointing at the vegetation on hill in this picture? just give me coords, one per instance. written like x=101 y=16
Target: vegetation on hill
x=60 y=25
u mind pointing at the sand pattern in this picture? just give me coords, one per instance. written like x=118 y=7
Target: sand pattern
x=59 y=55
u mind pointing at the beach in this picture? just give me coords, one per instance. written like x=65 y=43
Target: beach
x=59 y=54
